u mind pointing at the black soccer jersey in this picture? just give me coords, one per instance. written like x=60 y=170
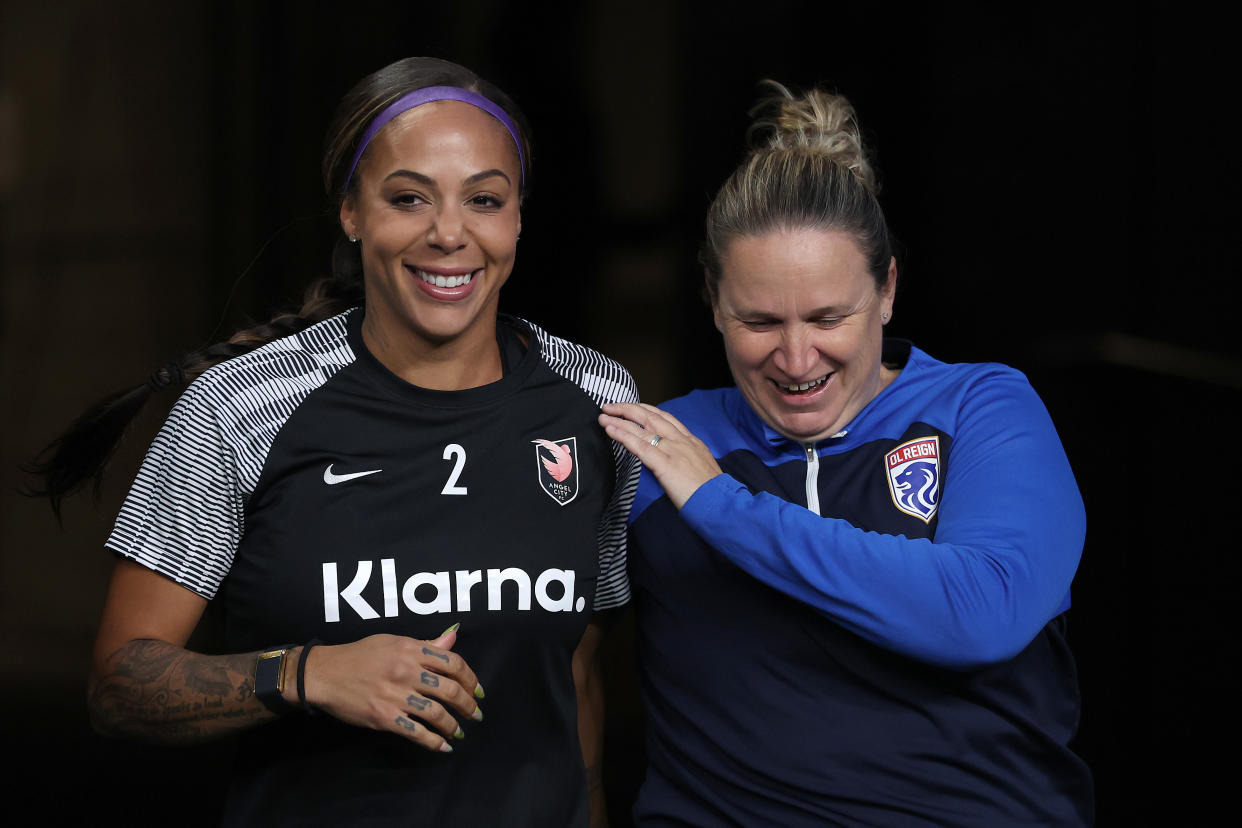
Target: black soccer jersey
x=318 y=495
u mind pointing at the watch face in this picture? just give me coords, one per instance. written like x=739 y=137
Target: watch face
x=268 y=660
x=269 y=675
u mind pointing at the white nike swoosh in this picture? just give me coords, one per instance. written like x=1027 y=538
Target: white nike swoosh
x=332 y=479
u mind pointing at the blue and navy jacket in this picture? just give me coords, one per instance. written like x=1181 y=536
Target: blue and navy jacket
x=868 y=630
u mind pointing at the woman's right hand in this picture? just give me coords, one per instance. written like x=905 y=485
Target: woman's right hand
x=145 y=685
x=403 y=685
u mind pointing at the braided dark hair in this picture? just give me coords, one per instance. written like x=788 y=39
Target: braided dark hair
x=81 y=454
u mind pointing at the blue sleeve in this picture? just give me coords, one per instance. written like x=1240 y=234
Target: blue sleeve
x=1010 y=533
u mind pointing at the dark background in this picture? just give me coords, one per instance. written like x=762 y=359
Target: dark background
x=1064 y=182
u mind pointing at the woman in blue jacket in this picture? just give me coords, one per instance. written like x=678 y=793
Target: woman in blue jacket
x=851 y=570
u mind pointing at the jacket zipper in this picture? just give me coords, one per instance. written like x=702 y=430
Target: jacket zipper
x=812 y=478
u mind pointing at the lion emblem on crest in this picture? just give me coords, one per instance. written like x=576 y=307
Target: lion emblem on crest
x=914 y=477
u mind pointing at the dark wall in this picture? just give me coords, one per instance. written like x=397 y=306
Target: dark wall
x=1064 y=183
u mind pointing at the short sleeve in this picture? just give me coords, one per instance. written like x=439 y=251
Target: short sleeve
x=613 y=587
x=183 y=516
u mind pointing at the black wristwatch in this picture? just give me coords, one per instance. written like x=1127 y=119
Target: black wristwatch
x=269 y=679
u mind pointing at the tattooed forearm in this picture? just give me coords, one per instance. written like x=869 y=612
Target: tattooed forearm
x=157 y=692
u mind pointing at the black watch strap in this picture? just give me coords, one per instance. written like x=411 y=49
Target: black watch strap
x=269 y=684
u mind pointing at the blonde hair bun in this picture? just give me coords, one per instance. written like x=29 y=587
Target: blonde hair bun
x=807 y=168
x=817 y=122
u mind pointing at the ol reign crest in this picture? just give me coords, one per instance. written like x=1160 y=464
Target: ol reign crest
x=556 y=463
x=914 y=477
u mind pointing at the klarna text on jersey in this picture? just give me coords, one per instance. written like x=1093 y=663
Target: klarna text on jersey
x=427 y=593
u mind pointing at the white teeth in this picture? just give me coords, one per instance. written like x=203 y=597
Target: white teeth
x=806 y=386
x=444 y=281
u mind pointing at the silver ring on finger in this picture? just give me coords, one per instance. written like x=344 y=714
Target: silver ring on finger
x=655 y=441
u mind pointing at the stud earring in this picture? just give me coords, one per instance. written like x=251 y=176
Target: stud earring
x=352 y=237
x=884 y=317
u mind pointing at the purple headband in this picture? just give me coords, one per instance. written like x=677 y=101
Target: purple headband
x=426 y=95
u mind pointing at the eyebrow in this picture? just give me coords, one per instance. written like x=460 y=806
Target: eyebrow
x=479 y=176
x=429 y=182
x=814 y=313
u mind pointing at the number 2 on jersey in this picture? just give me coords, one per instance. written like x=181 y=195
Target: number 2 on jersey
x=450 y=451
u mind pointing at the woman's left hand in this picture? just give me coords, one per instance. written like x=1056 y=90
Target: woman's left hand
x=677 y=458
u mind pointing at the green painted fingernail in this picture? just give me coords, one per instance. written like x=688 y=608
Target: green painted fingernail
x=460 y=734
x=446 y=748
x=477 y=715
x=478 y=691
x=449 y=630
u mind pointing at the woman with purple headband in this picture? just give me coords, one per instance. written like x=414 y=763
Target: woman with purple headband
x=396 y=496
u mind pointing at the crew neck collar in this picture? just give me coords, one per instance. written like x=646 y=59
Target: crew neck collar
x=512 y=335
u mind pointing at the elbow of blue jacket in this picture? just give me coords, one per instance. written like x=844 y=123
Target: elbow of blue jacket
x=984 y=645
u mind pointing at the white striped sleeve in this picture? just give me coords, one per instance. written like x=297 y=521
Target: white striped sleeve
x=185 y=514
x=183 y=517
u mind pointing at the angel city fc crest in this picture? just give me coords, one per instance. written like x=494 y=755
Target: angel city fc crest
x=914 y=477
x=557 y=465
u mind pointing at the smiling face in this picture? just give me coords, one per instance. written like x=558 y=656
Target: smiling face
x=803 y=328
x=436 y=207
